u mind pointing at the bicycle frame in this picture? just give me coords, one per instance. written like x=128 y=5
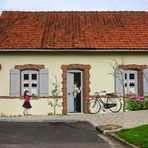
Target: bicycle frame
x=98 y=97
x=108 y=101
x=105 y=104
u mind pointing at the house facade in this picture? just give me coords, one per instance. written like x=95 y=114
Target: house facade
x=73 y=47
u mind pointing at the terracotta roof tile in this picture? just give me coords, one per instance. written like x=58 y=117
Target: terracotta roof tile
x=74 y=30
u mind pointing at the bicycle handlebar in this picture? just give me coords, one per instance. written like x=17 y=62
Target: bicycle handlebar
x=97 y=93
x=107 y=94
x=103 y=91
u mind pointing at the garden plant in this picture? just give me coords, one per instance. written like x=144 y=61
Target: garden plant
x=136 y=102
x=55 y=94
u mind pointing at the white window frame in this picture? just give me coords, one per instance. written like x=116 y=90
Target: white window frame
x=128 y=82
x=32 y=89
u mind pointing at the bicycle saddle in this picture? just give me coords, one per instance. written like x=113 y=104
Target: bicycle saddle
x=111 y=94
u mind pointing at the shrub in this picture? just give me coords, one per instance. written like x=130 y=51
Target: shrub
x=137 y=103
x=55 y=94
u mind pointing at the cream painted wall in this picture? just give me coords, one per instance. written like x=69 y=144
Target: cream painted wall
x=99 y=62
x=9 y=107
x=39 y=107
x=99 y=79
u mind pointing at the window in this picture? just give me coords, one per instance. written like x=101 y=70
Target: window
x=130 y=82
x=36 y=81
x=125 y=76
x=131 y=76
x=30 y=81
x=34 y=76
x=26 y=76
x=135 y=80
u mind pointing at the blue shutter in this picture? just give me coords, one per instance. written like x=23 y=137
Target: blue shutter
x=14 y=83
x=118 y=82
x=145 y=82
x=44 y=84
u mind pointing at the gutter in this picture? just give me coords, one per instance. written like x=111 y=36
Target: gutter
x=77 y=50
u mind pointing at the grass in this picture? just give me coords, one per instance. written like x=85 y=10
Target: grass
x=137 y=136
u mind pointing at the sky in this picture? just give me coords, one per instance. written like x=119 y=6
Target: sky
x=74 y=5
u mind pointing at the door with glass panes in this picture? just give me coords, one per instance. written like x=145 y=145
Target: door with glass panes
x=29 y=81
x=131 y=81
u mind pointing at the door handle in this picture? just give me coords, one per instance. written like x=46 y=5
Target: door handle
x=70 y=93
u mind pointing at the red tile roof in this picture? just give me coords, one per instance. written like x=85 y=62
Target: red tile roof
x=74 y=30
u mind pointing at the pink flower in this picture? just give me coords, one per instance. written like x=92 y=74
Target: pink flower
x=138 y=98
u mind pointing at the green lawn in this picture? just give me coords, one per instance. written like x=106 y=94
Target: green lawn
x=137 y=136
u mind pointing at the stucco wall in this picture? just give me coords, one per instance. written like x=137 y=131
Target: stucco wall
x=39 y=107
x=100 y=66
x=99 y=62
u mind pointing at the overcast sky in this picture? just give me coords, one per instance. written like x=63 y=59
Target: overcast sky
x=74 y=5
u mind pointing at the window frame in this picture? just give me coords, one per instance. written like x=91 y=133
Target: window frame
x=16 y=86
x=30 y=81
x=129 y=81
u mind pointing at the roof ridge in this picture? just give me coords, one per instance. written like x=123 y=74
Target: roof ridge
x=22 y=11
x=8 y=13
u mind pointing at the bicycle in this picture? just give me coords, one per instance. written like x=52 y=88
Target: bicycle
x=110 y=102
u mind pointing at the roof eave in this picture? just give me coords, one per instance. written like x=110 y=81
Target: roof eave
x=76 y=50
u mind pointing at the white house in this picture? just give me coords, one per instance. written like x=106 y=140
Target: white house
x=75 y=47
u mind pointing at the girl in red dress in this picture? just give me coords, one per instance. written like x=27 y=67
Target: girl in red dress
x=26 y=104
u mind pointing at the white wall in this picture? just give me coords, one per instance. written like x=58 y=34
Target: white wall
x=39 y=107
x=99 y=79
x=100 y=66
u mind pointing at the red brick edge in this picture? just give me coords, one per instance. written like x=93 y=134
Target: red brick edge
x=34 y=98
x=139 y=69
x=86 y=81
x=29 y=66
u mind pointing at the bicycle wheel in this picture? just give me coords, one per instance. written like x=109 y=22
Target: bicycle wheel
x=94 y=106
x=116 y=101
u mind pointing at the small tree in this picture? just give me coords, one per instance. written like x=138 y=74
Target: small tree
x=117 y=68
x=55 y=94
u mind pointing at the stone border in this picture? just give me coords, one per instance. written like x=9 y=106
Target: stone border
x=48 y=97
x=139 y=69
x=34 y=97
x=86 y=81
x=29 y=66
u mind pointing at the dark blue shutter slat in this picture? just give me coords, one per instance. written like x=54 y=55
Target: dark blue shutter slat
x=14 y=83
x=44 y=84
